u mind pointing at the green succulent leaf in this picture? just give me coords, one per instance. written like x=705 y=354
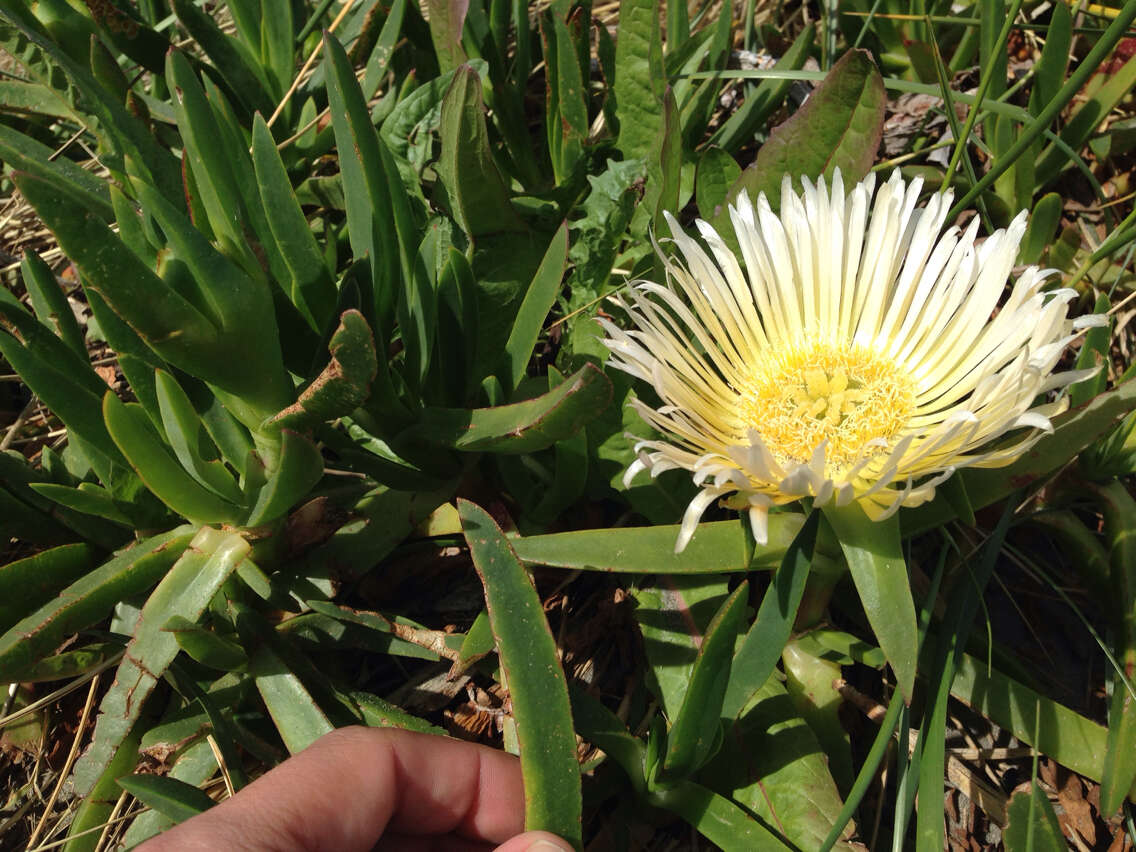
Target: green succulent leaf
x=539 y=299
x=184 y=591
x=89 y=599
x=299 y=467
x=757 y=655
x=522 y=427
x=159 y=468
x=717 y=547
x=537 y=688
x=28 y=583
x=169 y=796
x=694 y=735
x=875 y=559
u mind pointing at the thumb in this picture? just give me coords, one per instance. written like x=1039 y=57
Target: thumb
x=535 y=841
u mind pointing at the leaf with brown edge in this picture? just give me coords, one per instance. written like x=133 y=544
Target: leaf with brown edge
x=345 y=382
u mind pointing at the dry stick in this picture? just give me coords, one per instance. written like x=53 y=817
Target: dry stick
x=59 y=693
x=20 y=420
x=308 y=64
x=66 y=771
x=110 y=822
x=220 y=758
x=55 y=844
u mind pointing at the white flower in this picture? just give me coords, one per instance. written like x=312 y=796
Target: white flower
x=852 y=352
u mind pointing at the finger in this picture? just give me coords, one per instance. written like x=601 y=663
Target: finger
x=342 y=793
x=535 y=841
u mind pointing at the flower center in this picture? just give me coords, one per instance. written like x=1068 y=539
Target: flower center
x=845 y=395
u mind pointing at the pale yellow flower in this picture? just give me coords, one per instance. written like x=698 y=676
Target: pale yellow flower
x=853 y=352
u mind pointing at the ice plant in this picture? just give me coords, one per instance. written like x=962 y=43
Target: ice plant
x=854 y=352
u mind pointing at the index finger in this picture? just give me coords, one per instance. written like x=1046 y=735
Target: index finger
x=343 y=791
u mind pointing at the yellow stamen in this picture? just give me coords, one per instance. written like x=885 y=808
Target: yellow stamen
x=845 y=395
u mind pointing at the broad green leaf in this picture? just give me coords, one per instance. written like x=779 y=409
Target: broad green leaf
x=693 y=734
x=168 y=796
x=158 y=468
x=185 y=590
x=539 y=299
x=537 y=688
x=344 y=383
x=809 y=681
x=838 y=127
x=717 y=547
x=673 y=615
x=717 y=172
x=875 y=560
x=206 y=646
x=478 y=196
x=298 y=468
x=447 y=18
x=1031 y=824
x=503 y=265
x=772 y=764
x=456 y=339
x=88 y=600
x=664 y=164
x=759 y=651
x=639 y=78
x=522 y=427
x=26 y=584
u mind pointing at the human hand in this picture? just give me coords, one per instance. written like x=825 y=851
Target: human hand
x=372 y=788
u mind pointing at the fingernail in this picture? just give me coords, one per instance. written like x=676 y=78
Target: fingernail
x=547 y=846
